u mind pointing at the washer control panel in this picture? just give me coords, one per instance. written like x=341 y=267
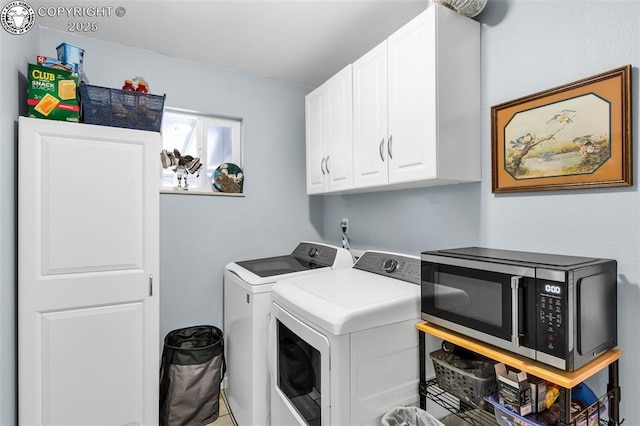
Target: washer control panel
x=316 y=253
x=402 y=267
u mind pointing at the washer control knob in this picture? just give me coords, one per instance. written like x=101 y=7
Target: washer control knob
x=313 y=251
x=390 y=265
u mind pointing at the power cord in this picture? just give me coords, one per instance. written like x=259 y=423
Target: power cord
x=345 y=239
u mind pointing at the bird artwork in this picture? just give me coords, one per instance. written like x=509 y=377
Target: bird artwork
x=581 y=140
x=564 y=116
x=588 y=148
x=521 y=142
x=181 y=165
x=545 y=156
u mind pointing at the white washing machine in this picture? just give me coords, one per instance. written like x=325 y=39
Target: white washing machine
x=343 y=347
x=247 y=301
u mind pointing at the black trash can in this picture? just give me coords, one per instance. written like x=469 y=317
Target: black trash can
x=192 y=368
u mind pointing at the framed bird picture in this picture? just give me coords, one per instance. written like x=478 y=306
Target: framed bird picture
x=570 y=137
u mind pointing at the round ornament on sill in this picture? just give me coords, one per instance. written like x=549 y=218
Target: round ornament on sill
x=468 y=8
x=228 y=177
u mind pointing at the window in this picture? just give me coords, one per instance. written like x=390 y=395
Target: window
x=214 y=140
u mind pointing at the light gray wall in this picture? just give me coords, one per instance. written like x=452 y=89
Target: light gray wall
x=529 y=46
x=15 y=52
x=199 y=235
x=407 y=221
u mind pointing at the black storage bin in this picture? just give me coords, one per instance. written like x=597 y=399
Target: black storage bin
x=192 y=368
x=118 y=108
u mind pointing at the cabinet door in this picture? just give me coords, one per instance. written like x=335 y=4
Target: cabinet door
x=88 y=337
x=316 y=129
x=412 y=100
x=370 y=118
x=339 y=161
x=329 y=135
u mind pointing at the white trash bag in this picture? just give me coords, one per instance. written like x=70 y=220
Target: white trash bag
x=409 y=416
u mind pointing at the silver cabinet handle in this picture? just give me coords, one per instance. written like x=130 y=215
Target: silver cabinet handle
x=326 y=165
x=381 y=151
x=150 y=285
x=389 y=147
x=322 y=165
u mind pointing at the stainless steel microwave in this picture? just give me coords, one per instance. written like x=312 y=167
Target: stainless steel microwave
x=557 y=309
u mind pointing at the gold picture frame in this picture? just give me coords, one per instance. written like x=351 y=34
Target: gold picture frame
x=570 y=137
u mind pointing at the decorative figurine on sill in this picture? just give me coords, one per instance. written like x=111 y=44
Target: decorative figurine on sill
x=181 y=165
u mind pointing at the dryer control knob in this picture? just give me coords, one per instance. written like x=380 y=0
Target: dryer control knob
x=313 y=251
x=390 y=265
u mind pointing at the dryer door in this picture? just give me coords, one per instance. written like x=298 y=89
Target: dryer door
x=301 y=379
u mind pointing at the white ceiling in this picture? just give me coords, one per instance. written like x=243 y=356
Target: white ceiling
x=299 y=41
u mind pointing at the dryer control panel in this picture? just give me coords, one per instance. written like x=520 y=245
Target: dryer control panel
x=393 y=265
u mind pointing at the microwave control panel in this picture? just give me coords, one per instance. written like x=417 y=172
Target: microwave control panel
x=551 y=318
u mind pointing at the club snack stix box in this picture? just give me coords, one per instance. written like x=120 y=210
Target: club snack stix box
x=53 y=94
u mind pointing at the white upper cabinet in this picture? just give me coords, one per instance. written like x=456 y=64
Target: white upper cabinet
x=426 y=101
x=416 y=105
x=370 y=134
x=329 y=135
x=413 y=107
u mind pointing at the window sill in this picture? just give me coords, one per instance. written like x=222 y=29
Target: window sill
x=196 y=192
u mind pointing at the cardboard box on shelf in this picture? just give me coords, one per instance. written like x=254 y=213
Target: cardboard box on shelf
x=52 y=94
x=538 y=393
x=514 y=391
x=45 y=61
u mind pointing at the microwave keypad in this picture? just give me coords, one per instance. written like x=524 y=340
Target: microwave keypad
x=551 y=330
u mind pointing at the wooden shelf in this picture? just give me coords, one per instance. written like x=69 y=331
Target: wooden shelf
x=565 y=379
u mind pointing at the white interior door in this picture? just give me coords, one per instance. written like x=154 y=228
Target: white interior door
x=88 y=337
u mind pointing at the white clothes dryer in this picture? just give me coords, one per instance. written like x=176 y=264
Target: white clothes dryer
x=247 y=301
x=343 y=347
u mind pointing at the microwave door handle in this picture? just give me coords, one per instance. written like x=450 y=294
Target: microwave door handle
x=516 y=305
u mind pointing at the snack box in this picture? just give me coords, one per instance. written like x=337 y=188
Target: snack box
x=514 y=391
x=53 y=94
x=55 y=63
x=538 y=393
